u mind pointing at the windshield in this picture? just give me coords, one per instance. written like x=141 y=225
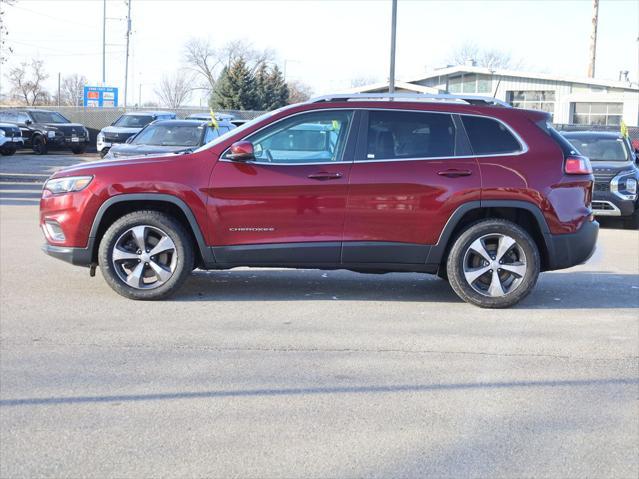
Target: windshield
x=601 y=149
x=169 y=135
x=48 y=117
x=133 y=121
x=239 y=129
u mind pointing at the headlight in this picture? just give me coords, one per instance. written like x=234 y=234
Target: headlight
x=68 y=184
x=100 y=136
x=2 y=133
x=631 y=186
x=51 y=133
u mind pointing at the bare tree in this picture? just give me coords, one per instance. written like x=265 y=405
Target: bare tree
x=175 y=90
x=488 y=58
x=4 y=31
x=207 y=62
x=26 y=83
x=72 y=90
x=362 y=81
x=203 y=60
x=298 y=92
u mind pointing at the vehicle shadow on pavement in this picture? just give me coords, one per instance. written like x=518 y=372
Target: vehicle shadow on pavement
x=20 y=194
x=398 y=388
x=557 y=290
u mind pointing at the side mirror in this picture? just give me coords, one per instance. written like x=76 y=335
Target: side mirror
x=27 y=122
x=241 y=151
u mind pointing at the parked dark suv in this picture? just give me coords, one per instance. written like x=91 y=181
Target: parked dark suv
x=484 y=195
x=616 y=174
x=43 y=130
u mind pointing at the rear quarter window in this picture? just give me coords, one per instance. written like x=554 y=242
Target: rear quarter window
x=489 y=137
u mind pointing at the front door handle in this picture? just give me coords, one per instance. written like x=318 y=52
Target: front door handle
x=324 y=175
x=454 y=173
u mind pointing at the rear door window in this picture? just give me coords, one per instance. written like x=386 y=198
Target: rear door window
x=489 y=137
x=408 y=135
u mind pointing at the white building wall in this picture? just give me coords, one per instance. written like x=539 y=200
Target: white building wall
x=566 y=93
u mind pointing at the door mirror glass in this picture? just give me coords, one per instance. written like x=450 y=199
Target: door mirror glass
x=241 y=151
x=27 y=122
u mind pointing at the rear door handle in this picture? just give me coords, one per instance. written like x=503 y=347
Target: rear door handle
x=324 y=175
x=454 y=173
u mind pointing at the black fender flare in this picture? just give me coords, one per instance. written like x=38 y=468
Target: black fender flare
x=438 y=251
x=205 y=251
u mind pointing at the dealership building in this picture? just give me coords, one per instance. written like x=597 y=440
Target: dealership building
x=580 y=101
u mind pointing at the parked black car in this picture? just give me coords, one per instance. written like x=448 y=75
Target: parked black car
x=127 y=126
x=43 y=130
x=169 y=136
x=614 y=163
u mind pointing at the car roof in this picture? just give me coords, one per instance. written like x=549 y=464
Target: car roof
x=180 y=122
x=218 y=116
x=592 y=134
x=153 y=113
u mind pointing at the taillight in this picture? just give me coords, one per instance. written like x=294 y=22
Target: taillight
x=577 y=165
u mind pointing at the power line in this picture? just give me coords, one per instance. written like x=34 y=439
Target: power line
x=59 y=19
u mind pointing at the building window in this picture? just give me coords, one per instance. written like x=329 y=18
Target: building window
x=470 y=83
x=543 y=100
x=597 y=113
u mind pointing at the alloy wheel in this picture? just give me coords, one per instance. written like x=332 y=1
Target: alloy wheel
x=494 y=265
x=144 y=257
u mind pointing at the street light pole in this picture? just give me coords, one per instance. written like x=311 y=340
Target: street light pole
x=126 y=65
x=103 y=42
x=391 y=82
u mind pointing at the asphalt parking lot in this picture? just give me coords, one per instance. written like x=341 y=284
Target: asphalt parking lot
x=285 y=373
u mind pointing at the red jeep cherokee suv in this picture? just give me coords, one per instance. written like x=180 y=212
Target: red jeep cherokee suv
x=483 y=195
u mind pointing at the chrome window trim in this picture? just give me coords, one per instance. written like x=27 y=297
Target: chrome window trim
x=524 y=146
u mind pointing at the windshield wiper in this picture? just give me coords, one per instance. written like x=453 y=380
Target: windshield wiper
x=184 y=151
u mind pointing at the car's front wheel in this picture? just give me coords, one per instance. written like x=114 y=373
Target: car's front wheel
x=146 y=255
x=493 y=264
x=39 y=145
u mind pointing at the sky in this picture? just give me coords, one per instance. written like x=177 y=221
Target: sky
x=324 y=43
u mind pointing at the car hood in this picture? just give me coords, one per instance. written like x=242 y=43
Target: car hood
x=119 y=129
x=611 y=167
x=62 y=126
x=128 y=150
x=93 y=167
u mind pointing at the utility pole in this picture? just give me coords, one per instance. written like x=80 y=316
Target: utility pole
x=126 y=65
x=103 y=42
x=391 y=82
x=593 y=39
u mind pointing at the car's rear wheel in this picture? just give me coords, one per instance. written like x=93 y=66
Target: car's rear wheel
x=146 y=255
x=8 y=150
x=39 y=145
x=493 y=264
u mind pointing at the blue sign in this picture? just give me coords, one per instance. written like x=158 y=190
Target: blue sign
x=100 y=96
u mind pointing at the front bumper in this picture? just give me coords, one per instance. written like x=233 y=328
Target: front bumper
x=67 y=141
x=75 y=256
x=16 y=141
x=567 y=250
x=609 y=204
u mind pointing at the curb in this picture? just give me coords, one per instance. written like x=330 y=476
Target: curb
x=23 y=177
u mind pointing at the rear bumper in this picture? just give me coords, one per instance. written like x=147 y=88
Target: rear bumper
x=75 y=256
x=568 y=250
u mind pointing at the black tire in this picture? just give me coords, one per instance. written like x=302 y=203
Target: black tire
x=524 y=253
x=39 y=145
x=632 y=222
x=154 y=221
x=8 y=150
x=78 y=150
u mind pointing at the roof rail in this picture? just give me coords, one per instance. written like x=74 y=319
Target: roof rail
x=444 y=97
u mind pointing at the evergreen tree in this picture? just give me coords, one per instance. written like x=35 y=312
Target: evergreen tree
x=278 y=90
x=235 y=89
x=262 y=87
